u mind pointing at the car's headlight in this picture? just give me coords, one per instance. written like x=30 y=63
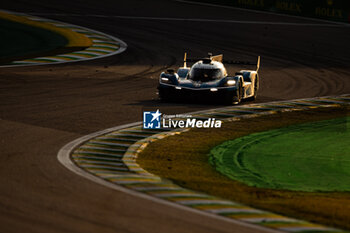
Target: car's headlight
x=165 y=80
x=231 y=82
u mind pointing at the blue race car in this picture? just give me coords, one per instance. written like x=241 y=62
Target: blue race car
x=208 y=78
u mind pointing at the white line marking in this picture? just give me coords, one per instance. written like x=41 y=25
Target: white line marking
x=83 y=52
x=204 y=202
x=108 y=143
x=115 y=151
x=92 y=167
x=155 y=188
x=174 y=194
x=93 y=50
x=234 y=210
x=261 y=12
x=268 y=219
x=86 y=162
x=83 y=152
x=92 y=158
x=306 y=228
x=71 y=56
x=328 y=24
x=24 y=63
x=64 y=158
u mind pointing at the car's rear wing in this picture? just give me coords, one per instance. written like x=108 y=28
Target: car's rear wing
x=219 y=58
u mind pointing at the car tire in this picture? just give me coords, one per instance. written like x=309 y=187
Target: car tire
x=238 y=96
x=256 y=88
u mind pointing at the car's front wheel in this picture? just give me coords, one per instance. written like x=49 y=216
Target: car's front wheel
x=234 y=97
x=238 y=97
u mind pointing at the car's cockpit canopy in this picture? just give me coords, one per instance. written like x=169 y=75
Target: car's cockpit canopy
x=205 y=75
x=206 y=72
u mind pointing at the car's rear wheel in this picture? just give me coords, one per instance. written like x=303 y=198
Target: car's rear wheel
x=256 y=87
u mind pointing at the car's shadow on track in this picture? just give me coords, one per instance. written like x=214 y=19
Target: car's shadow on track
x=196 y=103
x=159 y=103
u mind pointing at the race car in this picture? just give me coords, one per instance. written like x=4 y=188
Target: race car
x=208 y=78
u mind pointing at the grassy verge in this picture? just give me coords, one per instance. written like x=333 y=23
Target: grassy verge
x=184 y=159
x=22 y=38
x=304 y=157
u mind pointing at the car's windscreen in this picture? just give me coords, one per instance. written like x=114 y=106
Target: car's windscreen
x=205 y=75
x=182 y=73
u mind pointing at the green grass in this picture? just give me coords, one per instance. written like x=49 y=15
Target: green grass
x=19 y=40
x=306 y=157
x=184 y=160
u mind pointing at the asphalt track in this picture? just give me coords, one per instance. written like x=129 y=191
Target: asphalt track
x=42 y=108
